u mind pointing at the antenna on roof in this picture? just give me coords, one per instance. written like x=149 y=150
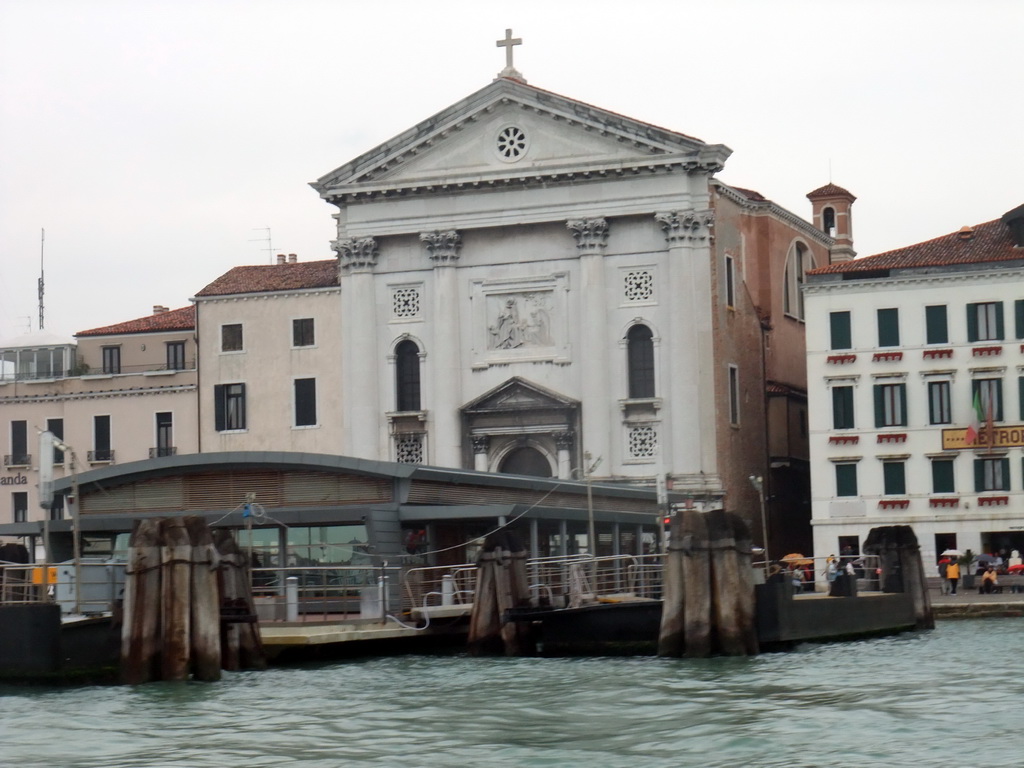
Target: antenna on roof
x=270 y=244
x=40 y=284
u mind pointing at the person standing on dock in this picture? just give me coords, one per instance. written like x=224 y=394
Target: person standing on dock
x=944 y=579
x=953 y=576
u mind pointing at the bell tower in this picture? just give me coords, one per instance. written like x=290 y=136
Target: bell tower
x=831 y=213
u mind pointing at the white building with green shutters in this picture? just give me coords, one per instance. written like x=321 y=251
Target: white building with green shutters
x=898 y=347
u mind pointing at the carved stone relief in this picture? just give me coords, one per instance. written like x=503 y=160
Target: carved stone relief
x=519 y=320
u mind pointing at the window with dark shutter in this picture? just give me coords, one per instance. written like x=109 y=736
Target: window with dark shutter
x=407 y=376
x=305 y=402
x=936 y=325
x=842 y=408
x=888 y=327
x=846 y=479
x=839 y=323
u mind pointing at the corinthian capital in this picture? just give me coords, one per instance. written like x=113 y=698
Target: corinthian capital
x=358 y=254
x=591 y=234
x=688 y=227
x=442 y=247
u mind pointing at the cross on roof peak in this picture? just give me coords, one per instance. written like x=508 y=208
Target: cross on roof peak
x=510 y=71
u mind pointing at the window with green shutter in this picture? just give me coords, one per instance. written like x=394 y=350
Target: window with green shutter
x=985 y=321
x=991 y=475
x=890 y=405
x=936 y=326
x=1018 y=315
x=942 y=476
x=888 y=327
x=840 y=327
x=842 y=408
x=894 y=478
x=989 y=391
x=846 y=479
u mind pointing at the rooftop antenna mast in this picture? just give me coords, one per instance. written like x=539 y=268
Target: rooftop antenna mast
x=270 y=243
x=41 y=284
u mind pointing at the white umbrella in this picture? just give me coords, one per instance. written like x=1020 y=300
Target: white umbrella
x=952 y=553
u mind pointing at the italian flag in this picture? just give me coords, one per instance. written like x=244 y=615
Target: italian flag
x=974 y=428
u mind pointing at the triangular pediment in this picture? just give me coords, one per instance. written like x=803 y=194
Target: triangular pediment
x=510 y=130
x=518 y=394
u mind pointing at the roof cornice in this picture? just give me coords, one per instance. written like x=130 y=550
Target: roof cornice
x=768 y=208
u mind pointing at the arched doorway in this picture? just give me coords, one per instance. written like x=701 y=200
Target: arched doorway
x=526 y=461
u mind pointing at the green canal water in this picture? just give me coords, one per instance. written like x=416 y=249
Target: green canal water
x=952 y=697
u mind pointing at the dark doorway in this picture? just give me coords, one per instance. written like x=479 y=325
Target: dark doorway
x=526 y=461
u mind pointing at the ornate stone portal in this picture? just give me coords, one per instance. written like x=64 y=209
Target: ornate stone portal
x=520 y=426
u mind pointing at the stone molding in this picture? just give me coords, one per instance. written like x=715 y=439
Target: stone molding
x=591 y=235
x=564 y=441
x=357 y=254
x=481 y=443
x=688 y=227
x=442 y=247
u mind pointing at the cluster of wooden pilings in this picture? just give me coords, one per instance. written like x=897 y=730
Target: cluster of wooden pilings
x=188 y=608
x=902 y=570
x=708 y=587
x=501 y=586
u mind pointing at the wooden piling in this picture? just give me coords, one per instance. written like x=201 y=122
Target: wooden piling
x=671 y=634
x=241 y=646
x=724 y=584
x=175 y=603
x=205 y=604
x=140 y=642
x=746 y=606
x=502 y=586
x=696 y=573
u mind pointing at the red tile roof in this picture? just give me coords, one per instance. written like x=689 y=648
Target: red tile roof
x=830 y=190
x=987 y=242
x=183 y=319
x=274 y=277
x=750 y=194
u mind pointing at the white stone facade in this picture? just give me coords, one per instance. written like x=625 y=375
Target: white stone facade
x=942 y=489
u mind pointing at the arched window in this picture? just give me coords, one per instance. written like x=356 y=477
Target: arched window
x=640 y=350
x=797 y=263
x=828 y=221
x=407 y=376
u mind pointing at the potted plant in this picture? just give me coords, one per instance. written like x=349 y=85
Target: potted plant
x=966 y=577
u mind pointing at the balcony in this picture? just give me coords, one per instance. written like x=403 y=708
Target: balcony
x=18 y=460
x=944 y=501
x=104 y=456
x=841 y=359
x=886 y=357
x=987 y=351
x=893 y=503
x=166 y=450
x=844 y=439
x=993 y=501
x=936 y=354
x=892 y=437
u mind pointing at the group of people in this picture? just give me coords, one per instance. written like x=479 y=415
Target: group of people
x=986 y=573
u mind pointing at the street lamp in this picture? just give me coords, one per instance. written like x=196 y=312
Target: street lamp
x=758 y=482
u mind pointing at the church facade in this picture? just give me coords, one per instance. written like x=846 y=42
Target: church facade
x=531 y=285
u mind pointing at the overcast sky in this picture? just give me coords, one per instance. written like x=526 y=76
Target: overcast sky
x=155 y=140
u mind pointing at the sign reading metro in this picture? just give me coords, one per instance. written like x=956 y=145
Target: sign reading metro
x=1002 y=437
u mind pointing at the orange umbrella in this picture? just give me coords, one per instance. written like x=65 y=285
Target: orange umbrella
x=795 y=558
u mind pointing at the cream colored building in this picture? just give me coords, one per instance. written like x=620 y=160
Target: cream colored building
x=117 y=394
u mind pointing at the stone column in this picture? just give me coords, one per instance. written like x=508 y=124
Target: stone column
x=593 y=338
x=445 y=374
x=688 y=354
x=481 y=445
x=564 y=442
x=362 y=407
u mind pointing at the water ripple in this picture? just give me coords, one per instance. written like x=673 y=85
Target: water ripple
x=920 y=699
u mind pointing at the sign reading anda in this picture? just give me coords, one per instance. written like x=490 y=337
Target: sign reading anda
x=1002 y=437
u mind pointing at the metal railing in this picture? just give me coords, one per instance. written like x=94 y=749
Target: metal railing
x=341 y=592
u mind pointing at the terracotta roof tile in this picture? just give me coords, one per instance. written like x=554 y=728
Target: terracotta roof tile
x=830 y=190
x=987 y=242
x=274 y=277
x=183 y=319
x=750 y=194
